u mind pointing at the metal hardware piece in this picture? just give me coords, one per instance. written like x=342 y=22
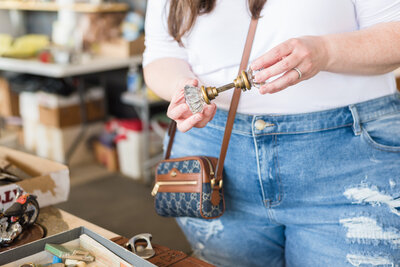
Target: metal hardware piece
x=212 y=182
x=155 y=189
x=242 y=81
x=144 y=252
x=173 y=173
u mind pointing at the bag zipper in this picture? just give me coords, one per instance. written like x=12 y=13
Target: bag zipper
x=158 y=184
x=211 y=167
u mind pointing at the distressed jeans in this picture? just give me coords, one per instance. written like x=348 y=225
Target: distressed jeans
x=314 y=189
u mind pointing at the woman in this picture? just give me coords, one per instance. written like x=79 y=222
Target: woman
x=312 y=174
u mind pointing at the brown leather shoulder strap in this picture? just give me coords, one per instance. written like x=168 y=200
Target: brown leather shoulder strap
x=171 y=134
x=235 y=100
x=232 y=109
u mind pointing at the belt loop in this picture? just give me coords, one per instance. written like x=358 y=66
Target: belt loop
x=356 y=120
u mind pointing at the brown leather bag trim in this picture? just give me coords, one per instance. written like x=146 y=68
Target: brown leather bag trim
x=213 y=161
x=180 y=177
x=181 y=188
x=223 y=209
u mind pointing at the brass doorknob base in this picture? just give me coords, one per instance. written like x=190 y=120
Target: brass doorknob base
x=209 y=93
x=242 y=81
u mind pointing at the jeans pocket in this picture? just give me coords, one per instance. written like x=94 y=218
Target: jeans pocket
x=383 y=133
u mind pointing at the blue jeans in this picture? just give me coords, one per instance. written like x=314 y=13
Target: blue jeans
x=315 y=189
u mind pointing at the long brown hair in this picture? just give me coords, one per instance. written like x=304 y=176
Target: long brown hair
x=183 y=14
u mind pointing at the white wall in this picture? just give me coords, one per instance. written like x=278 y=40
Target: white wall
x=5 y=23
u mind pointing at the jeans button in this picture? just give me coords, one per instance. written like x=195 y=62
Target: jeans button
x=260 y=124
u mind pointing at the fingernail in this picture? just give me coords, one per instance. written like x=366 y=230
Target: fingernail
x=198 y=116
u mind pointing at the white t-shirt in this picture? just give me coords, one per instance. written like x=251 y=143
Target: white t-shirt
x=214 y=47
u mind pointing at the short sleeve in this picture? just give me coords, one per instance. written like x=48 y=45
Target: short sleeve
x=371 y=12
x=158 y=42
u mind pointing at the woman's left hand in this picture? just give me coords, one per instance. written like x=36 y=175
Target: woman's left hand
x=307 y=54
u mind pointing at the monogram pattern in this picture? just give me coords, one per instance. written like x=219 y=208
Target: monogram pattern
x=187 y=166
x=186 y=204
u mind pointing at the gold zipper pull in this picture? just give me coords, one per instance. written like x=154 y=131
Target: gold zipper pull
x=155 y=189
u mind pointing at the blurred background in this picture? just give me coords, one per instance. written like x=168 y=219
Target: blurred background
x=72 y=91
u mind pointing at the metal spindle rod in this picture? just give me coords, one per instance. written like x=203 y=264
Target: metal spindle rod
x=225 y=87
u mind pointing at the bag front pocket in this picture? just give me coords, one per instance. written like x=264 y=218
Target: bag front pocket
x=174 y=186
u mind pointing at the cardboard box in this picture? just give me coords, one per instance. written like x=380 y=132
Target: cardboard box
x=65 y=111
x=34 y=252
x=54 y=143
x=62 y=117
x=122 y=48
x=9 y=101
x=106 y=156
x=49 y=182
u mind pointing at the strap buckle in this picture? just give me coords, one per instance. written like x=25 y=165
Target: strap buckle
x=212 y=182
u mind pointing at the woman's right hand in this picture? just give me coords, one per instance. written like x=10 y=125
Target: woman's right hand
x=179 y=111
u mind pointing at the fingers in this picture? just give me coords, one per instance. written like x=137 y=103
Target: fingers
x=187 y=81
x=190 y=81
x=290 y=78
x=187 y=124
x=176 y=112
x=179 y=98
x=179 y=111
x=199 y=120
x=280 y=67
x=272 y=56
x=208 y=112
x=305 y=53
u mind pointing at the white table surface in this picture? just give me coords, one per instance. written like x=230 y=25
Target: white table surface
x=97 y=64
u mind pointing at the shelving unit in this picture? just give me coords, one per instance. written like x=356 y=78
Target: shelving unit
x=93 y=65
x=78 y=70
x=142 y=105
x=53 y=6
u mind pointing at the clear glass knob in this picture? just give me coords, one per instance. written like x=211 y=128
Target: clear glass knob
x=194 y=98
x=251 y=76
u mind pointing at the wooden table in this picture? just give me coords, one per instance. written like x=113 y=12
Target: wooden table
x=57 y=221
